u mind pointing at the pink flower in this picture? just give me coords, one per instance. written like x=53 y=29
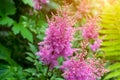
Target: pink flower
x=96 y=45
x=90 y=30
x=38 y=4
x=77 y=68
x=57 y=41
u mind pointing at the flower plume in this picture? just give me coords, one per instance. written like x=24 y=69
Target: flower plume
x=81 y=68
x=57 y=42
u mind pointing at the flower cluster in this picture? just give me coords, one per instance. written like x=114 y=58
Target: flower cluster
x=38 y=4
x=96 y=45
x=79 y=68
x=90 y=31
x=57 y=41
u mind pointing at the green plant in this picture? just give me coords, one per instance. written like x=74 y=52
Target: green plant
x=110 y=23
x=39 y=71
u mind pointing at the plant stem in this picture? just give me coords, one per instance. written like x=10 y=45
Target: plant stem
x=47 y=72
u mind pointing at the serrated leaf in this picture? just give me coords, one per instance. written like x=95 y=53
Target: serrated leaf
x=27 y=34
x=30 y=70
x=6 y=21
x=31 y=55
x=30 y=59
x=33 y=48
x=16 y=28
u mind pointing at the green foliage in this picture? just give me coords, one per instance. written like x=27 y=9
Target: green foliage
x=60 y=60
x=111 y=29
x=110 y=23
x=21 y=28
x=17 y=28
x=6 y=21
x=11 y=73
x=40 y=71
x=24 y=31
x=5 y=55
x=7 y=7
x=29 y=2
x=114 y=72
x=27 y=34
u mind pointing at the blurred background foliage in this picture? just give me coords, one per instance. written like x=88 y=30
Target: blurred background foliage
x=110 y=24
x=22 y=27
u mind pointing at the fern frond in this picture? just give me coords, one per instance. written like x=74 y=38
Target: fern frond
x=115 y=71
x=110 y=23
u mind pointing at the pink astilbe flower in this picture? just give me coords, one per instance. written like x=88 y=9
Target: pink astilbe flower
x=96 y=45
x=38 y=4
x=57 y=41
x=77 y=68
x=90 y=30
x=80 y=67
x=98 y=65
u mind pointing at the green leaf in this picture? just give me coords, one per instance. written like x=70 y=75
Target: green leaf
x=30 y=70
x=12 y=73
x=29 y=2
x=5 y=55
x=16 y=28
x=3 y=69
x=7 y=7
x=26 y=34
x=31 y=55
x=59 y=79
x=112 y=75
x=114 y=66
x=30 y=59
x=33 y=48
x=6 y=21
x=60 y=60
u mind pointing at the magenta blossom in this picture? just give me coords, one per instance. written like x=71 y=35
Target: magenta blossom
x=77 y=68
x=38 y=4
x=90 y=30
x=57 y=41
x=96 y=45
